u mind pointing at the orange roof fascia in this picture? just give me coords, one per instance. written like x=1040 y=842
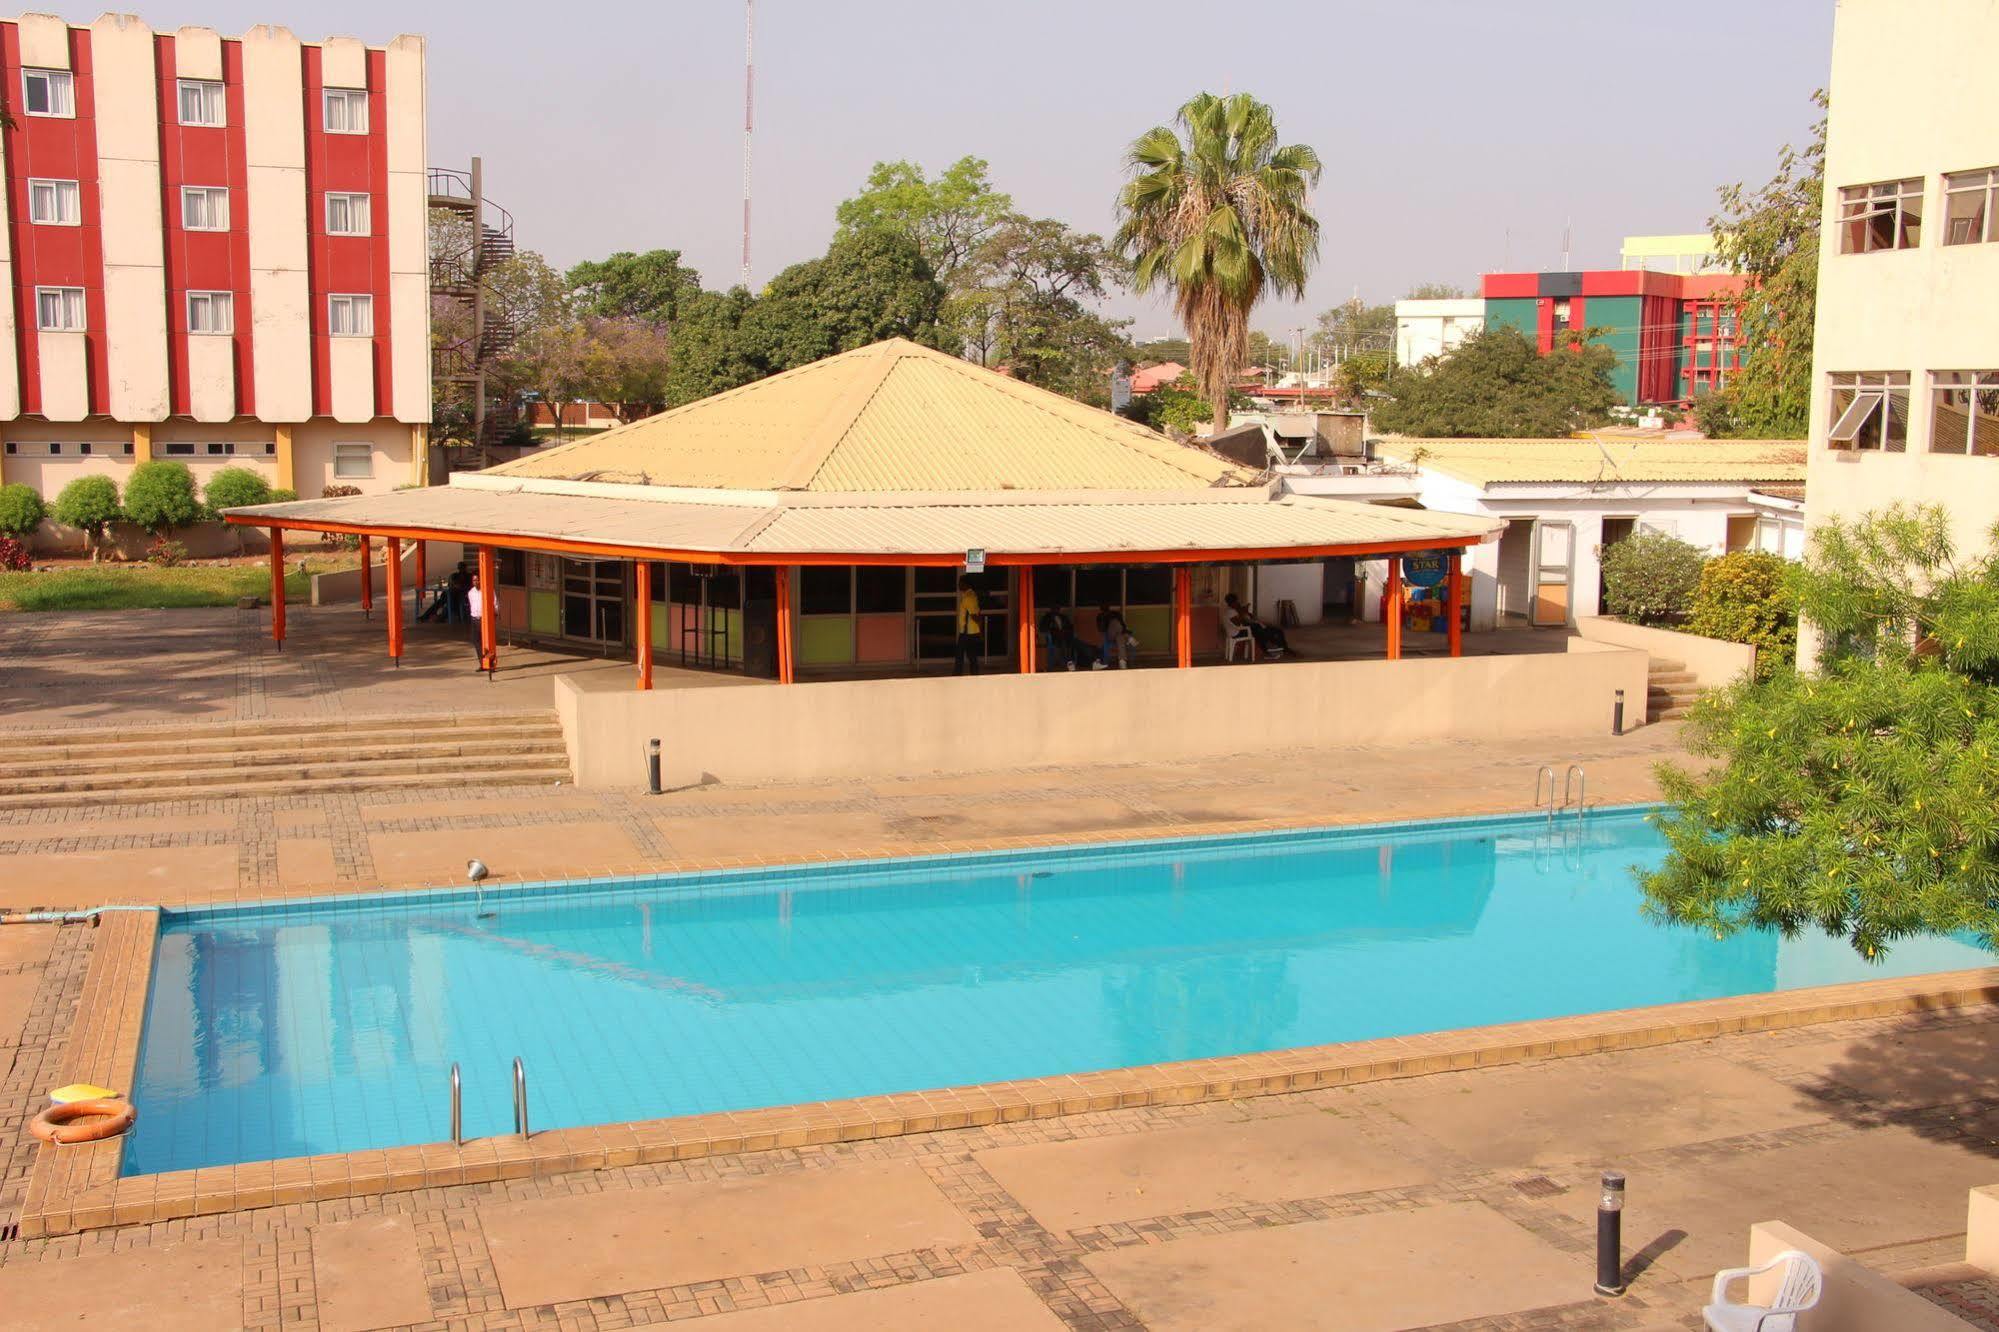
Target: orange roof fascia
x=949 y=559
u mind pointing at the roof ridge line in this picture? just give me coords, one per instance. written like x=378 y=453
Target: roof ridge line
x=840 y=417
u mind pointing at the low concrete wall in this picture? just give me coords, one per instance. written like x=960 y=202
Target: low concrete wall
x=129 y=541
x=343 y=585
x=1713 y=662
x=908 y=727
x=1981 y=1229
x=1855 y=1298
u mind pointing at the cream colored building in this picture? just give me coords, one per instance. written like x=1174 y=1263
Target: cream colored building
x=1687 y=252
x=1906 y=360
x=216 y=249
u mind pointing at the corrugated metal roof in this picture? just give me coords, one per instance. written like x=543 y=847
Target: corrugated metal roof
x=1609 y=459
x=919 y=524
x=889 y=417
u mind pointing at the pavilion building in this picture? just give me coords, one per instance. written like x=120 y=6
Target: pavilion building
x=817 y=523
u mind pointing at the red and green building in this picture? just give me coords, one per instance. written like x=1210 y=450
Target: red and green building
x=1675 y=335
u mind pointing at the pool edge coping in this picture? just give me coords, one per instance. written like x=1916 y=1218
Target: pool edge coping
x=75 y=1189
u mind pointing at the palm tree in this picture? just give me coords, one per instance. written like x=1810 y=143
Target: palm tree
x=1218 y=219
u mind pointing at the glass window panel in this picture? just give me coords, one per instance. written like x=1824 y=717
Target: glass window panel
x=825 y=590
x=725 y=589
x=1098 y=585
x=1148 y=587
x=881 y=589
x=1854 y=408
x=1052 y=586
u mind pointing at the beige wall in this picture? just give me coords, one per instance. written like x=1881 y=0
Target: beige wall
x=312 y=455
x=274 y=150
x=126 y=110
x=907 y=727
x=409 y=236
x=1912 y=94
x=1855 y=1297
x=1713 y=662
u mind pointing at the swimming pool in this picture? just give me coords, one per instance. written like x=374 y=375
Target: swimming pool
x=330 y=1026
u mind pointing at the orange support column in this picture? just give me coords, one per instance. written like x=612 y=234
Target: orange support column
x=416 y=602
x=1183 y=616
x=644 y=623
x=489 y=628
x=278 y=586
x=1028 y=616
x=784 y=624
x=367 y=577
x=396 y=599
x=1455 y=606
x=1391 y=607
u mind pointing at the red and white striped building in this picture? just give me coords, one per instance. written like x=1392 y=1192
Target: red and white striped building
x=216 y=252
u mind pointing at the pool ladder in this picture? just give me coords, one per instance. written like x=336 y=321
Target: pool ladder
x=520 y=1103
x=1575 y=790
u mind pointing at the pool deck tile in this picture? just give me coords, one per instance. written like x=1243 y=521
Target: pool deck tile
x=192 y=1286
x=368 y=1274
x=995 y=1300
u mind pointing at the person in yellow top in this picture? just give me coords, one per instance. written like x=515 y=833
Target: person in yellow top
x=971 y=628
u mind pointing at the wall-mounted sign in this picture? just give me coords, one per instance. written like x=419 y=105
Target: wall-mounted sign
x=1425 y=570
x=975 y=561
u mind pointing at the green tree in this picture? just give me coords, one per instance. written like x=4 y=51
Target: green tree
x=1862 y=800
x=624 y=364
x=160 y=497
x=1651 y=578
x=21 y=510
x=868 y=286
x=89 y=504
x=1030 y=311
x=1745 y=597
x=948 y=218
x=649 y=286
x=708 y=355
x=1771 y=236
x=1354 y=327
x=1364 y=374
x=551 y=363
x=1496 y=384
x=1435 y=291
x=1219 y=219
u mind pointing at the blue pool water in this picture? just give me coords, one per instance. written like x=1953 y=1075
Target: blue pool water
x=322 y=1027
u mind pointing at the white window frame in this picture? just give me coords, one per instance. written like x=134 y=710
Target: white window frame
x=1972 y=385
x=358 y=206
x=359 y=318
x=1900 y=201
x=345 y=464
x=212 y=99
x=219 y=312
x=354 y=110
x=1974 y=183
x=67 y=196
x=213 y=207
x=69 y=302
x=1870 y=413
x=61 y=93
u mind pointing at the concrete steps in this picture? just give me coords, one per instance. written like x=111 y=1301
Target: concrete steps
x=236 y=760
x=1670 y=690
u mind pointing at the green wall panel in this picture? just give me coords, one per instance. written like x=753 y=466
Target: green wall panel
x=826 y=642
x=1621 y=317
x=545 y=612
x=1518 y=313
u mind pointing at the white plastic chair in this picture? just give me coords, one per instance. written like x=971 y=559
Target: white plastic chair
x=1231 y=638
x=1797 y=1291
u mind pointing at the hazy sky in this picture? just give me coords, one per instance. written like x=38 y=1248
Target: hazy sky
x=1460 y=136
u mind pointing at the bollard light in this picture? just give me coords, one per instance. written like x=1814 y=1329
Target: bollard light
x=652 y=766
x=1610 y=1235
x=1617 y=715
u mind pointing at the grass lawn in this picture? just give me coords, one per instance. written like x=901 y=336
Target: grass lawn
x=146 y=587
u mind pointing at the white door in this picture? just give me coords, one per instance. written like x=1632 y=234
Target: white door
x=1554 y=574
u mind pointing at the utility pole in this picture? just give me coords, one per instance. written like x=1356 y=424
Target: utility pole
x=749 y=119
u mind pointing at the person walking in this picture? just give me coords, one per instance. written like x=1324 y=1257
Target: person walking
x=971 y=628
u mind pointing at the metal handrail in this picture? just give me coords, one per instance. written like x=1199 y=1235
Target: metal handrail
x=457 y=1108
x=1580 y=779
x=520 y=1098
x=1547 y=771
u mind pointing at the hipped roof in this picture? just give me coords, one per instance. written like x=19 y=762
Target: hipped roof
x=891 y=417
x=1605 y=460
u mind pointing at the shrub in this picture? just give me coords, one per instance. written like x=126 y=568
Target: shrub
x=21 y=510
x=1650 y=578
x=338 y=491
x=160 y=497
x=282 y=495
x=90 y=504
x=334 y=540
x=1746 y=598
x=166 y=553
x=235 y=488
x=14 y=555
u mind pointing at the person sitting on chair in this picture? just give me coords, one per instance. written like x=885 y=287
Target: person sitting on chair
x=1059 y=647
x=1269 y=638
x=1114 y=639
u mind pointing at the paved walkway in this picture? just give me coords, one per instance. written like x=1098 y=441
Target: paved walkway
x=1461 y=1200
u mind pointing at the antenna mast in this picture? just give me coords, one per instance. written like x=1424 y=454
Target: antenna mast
x=749 y=119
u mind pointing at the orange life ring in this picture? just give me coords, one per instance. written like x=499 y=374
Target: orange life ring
x=100 y=1120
